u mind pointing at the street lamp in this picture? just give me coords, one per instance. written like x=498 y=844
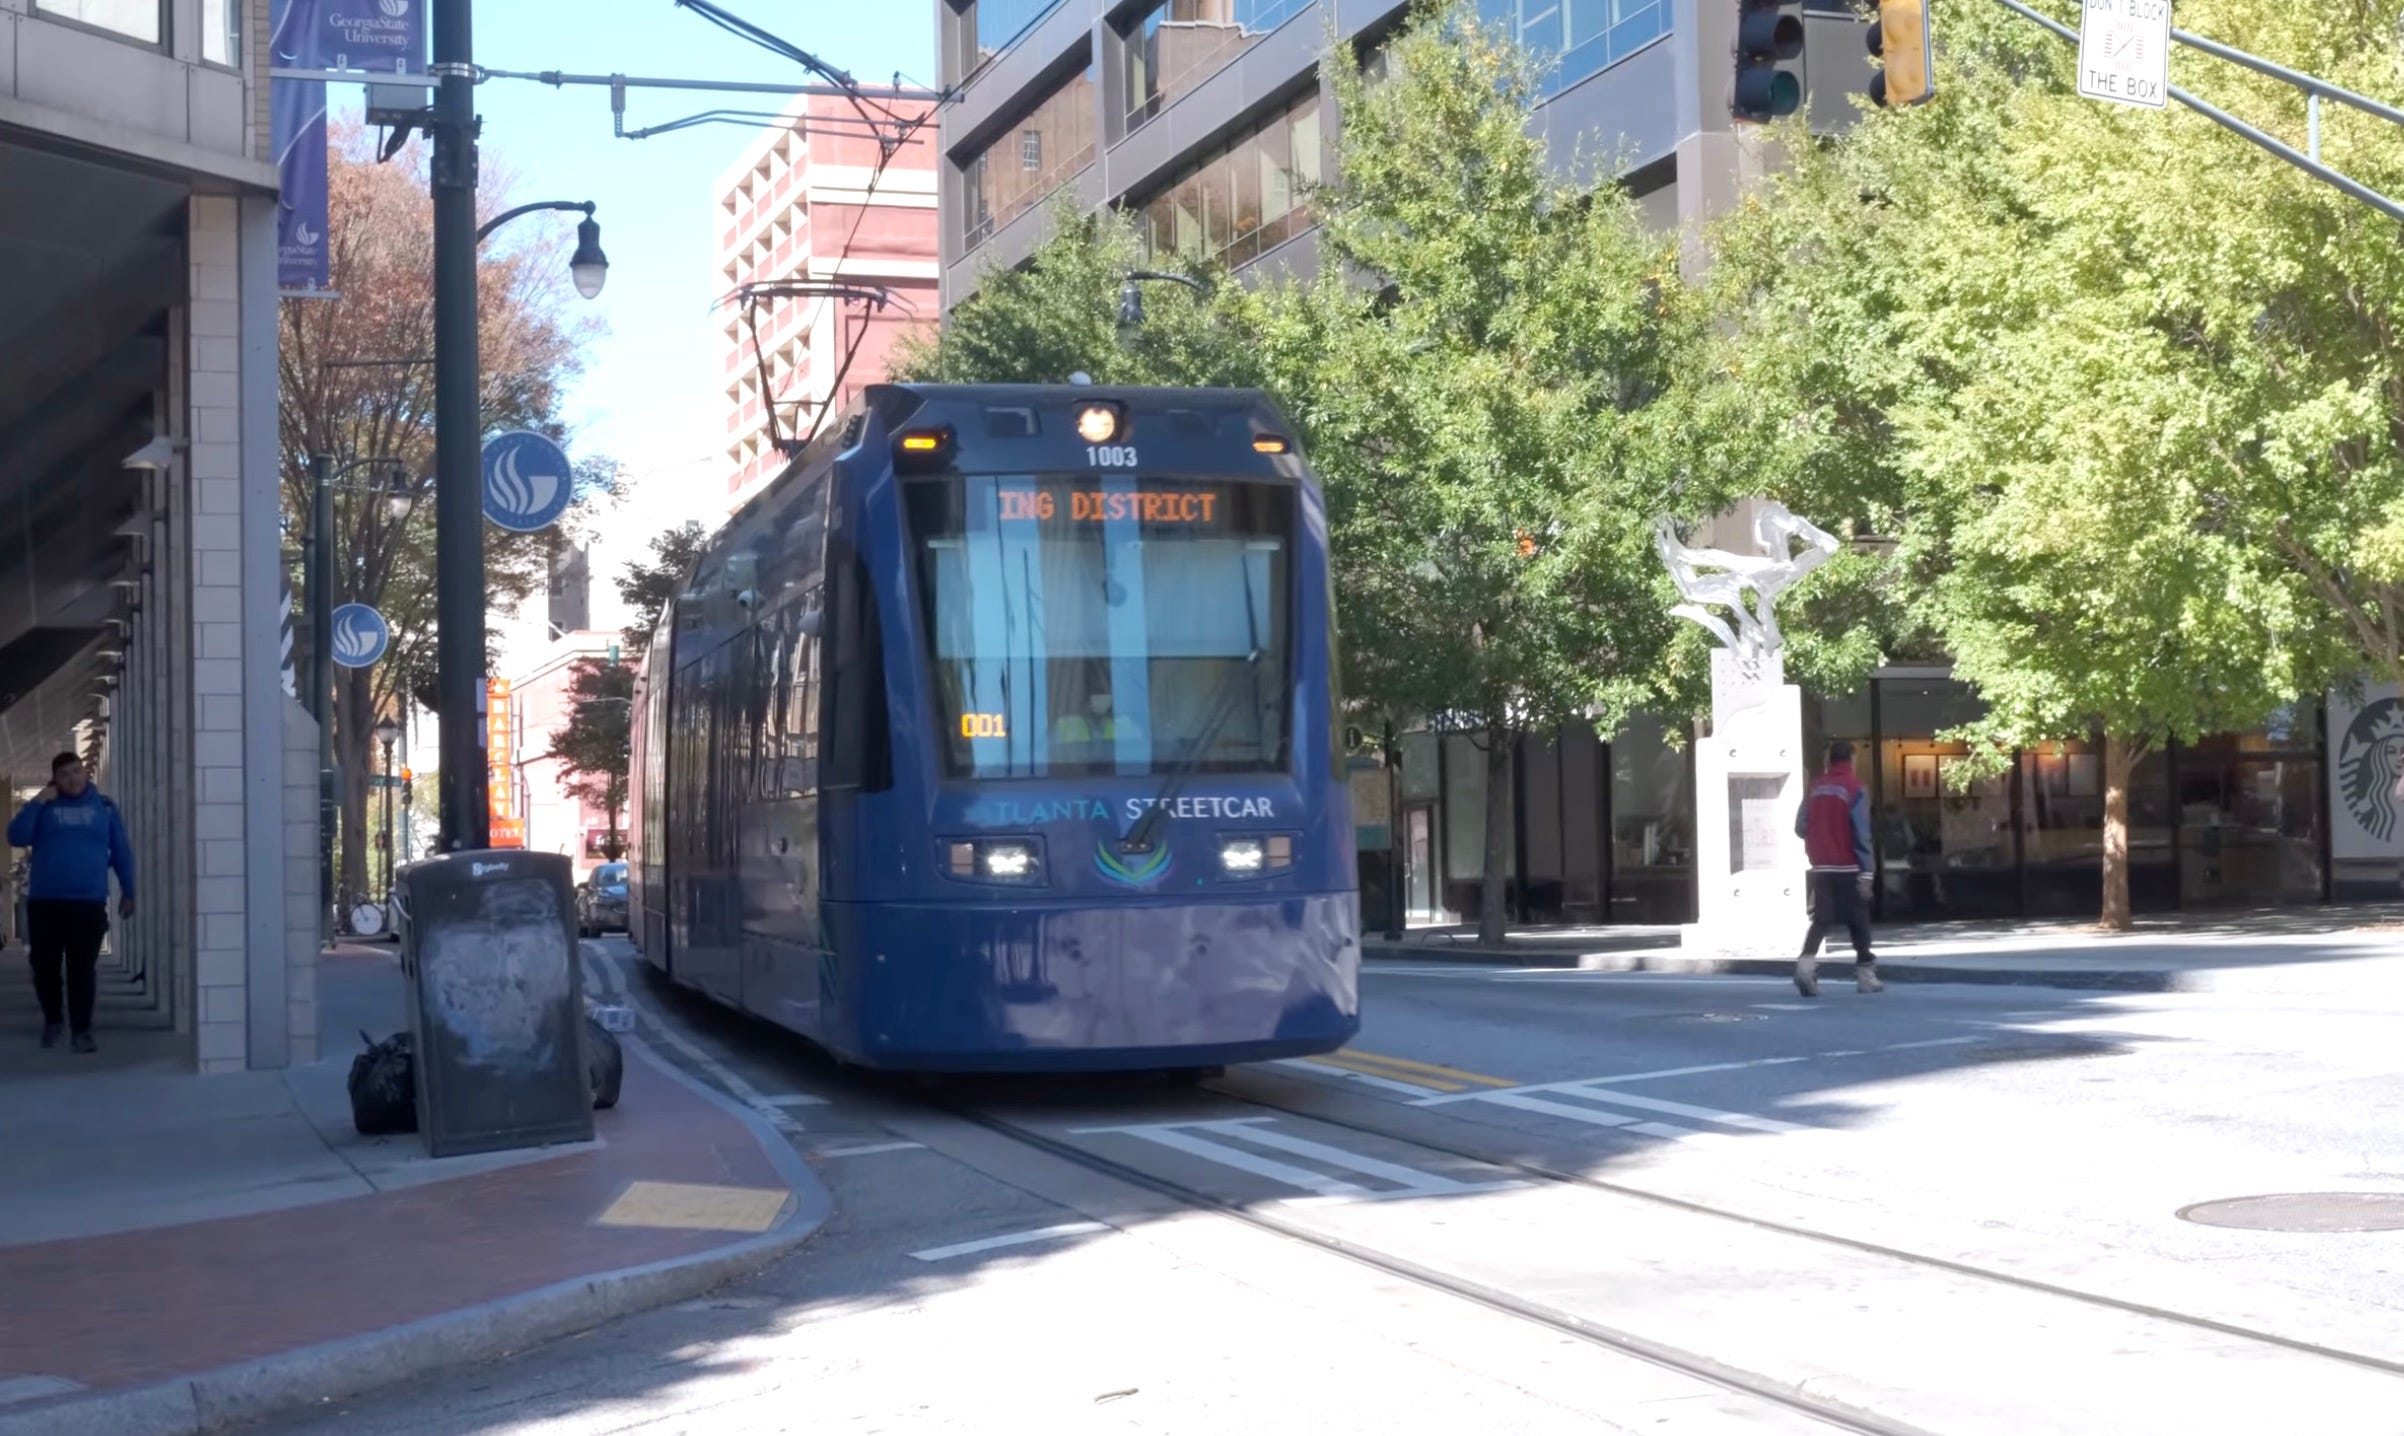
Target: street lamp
x=388 y=733
x=1131 y=296
x=588 y=267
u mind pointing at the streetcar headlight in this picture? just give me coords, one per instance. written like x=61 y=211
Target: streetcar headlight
x=1242 y=857
x=996 y=860
x=1251 y=856
x=1097 y=423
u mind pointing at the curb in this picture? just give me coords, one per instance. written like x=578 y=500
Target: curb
x=1893 y=968
x=296 y=1381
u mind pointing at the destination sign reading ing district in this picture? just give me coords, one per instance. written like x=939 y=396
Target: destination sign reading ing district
x=2124 y=52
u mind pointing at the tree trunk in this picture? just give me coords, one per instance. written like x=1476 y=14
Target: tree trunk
x=1498 y=834
x=2120 y=758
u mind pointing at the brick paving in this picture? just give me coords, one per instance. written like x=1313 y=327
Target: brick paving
x=145 y=1306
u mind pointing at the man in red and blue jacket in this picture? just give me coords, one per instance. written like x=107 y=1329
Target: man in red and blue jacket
x=1834 y=824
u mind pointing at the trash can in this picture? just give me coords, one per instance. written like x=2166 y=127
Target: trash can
x=496 y=1000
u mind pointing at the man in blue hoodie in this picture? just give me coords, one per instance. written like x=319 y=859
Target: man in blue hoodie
x=77 y=840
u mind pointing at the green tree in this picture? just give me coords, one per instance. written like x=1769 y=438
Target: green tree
x=1490 y=412
x=595 y=746
x=2115 y=380
x=1058 y=314
x=356 y=383
x=647 y=584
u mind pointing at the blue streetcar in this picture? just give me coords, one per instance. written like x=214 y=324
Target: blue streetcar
x=1000 y=733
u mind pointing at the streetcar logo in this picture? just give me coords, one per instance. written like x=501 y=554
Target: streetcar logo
x=1140 y=870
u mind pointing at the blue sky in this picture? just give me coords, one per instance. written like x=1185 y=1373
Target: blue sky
x=649 y=395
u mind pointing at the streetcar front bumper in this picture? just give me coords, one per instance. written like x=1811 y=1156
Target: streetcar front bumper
x=1118 y=987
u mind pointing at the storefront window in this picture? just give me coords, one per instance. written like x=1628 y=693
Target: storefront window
x=1465 y=824
x=1241 y=201
x=134 y=19
x=1652 y=825
x=1577 y=38
x=2250 y=819
x=1177 y=44
x=2061 y=795
x=1027 y=161
x=1944 y=841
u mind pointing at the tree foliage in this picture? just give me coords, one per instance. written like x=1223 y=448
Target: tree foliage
x=357 y=383
x=595 y=746
x=2124 y=388
x=1494 y=413
x=647 y=584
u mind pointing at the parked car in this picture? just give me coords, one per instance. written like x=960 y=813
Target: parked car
x=601 y=901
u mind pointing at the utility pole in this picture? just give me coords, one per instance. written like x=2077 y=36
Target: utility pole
x=321 y=677
x=458 y=480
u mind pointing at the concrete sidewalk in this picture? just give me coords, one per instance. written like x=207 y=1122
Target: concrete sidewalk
x=2183 y=953
x=183 y=1254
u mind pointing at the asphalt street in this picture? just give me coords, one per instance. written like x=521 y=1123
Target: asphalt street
x=1547 y=1200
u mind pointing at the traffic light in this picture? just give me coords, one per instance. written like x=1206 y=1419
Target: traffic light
x=407 y=789
x=1769 y=60
x=1900 y=42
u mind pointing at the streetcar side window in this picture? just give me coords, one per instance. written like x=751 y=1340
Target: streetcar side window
x=857 y=751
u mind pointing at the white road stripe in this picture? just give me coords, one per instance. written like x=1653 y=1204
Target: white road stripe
x=794 y=1099
x=1413 y=1181
x=1283 y=1173
x=1682 y=1109
x=1013 y=1239
x=1785 y=1007
x=1391 y=1085
x=869 y=1149
x=1592 y=1116
x=1659 y=1073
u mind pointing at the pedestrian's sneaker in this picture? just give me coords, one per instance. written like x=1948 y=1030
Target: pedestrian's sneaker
x=1807 y=976
x=1865 y=978
x=52 y=1032
x=84 y=1043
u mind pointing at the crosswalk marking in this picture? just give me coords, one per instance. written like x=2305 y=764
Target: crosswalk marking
x=1217 y=1142
x=1682 y=1109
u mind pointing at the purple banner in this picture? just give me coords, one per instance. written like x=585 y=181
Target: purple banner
x=298 y=108
x=381 y=35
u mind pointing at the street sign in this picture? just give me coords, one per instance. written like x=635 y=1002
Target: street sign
x=361 y=635
x=527 y=481
x=2124 y=52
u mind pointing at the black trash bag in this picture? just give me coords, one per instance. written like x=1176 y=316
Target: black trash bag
x=384 y=1087
x=604 y=1063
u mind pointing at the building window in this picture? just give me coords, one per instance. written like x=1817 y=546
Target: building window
x=995 y=23
x=142 y=20
x=1177 y=44
x=1052 y=143
x=221 y=32
x=1577 y=38
x=1243 y=199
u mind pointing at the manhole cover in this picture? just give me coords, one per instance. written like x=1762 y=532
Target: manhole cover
x=2304 y=1212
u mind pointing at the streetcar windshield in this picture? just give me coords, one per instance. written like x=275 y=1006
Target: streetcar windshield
x=1117 y=625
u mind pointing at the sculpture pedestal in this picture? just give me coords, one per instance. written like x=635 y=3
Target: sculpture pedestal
x=1750 y=869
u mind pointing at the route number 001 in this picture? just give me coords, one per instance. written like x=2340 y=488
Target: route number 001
x=984 y=725
x=1111 y=456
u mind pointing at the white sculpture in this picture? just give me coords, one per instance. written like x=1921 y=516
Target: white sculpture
x=1754 y=642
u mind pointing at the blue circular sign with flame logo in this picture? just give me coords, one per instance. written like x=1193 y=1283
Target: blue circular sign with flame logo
x=528 y=482
x=361 y=636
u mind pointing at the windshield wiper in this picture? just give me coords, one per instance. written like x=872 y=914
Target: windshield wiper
x=1139 y=837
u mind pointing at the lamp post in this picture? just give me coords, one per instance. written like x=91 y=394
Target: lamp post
x=458 y=427
x=324 y=478
x=388 y=733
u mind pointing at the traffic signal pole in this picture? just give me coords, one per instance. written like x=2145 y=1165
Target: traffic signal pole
x=2263 y=140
